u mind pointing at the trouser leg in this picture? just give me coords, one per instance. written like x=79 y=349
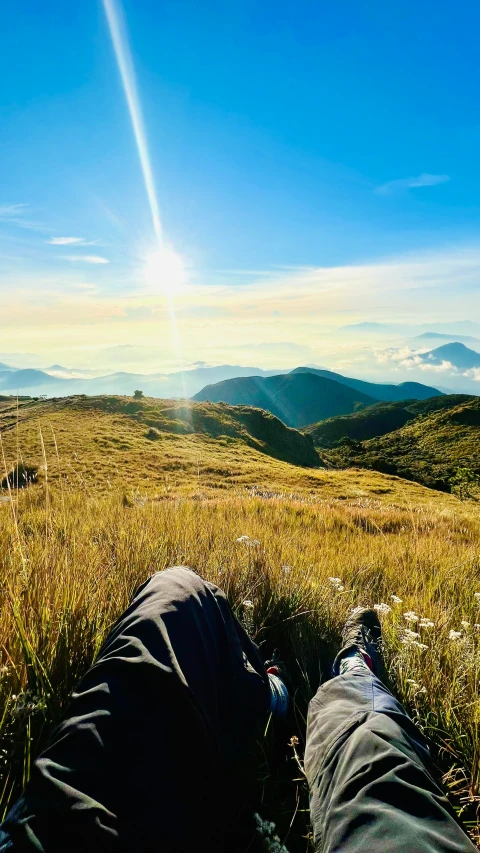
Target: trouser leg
x=372 y=785
x=148 y=754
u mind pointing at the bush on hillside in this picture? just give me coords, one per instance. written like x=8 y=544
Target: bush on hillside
x=153 y=434
x=20 y=477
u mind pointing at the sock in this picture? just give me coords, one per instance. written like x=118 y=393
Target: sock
x=353 y=660
x=278 y=696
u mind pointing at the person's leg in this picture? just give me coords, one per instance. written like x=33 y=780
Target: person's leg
x=149 y=751
x=372 y=784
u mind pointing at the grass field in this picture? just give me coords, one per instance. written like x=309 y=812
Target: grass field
x=111 y=507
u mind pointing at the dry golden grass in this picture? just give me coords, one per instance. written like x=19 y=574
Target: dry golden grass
x=103 y=518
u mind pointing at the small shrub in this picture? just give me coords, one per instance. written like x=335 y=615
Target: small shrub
x=21 y=477
x=138 y=394
x=153 y=434
x=465 y=483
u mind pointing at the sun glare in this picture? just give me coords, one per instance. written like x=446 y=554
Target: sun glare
x=165 y=271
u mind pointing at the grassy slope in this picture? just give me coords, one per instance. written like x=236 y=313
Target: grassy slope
x=428 y=449
x=149 y=438
x=379 y=419
x=101 y=449
x=297 y=398
x=74 y=547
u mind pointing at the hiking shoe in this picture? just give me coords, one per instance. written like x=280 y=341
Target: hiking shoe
x=361 y=633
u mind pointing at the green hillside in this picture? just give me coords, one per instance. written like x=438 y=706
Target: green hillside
x=378 y=420
x=296 y=398
x=115 y=424
x=429 y=449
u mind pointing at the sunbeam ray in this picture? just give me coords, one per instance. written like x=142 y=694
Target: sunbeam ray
x=127 y=74
x=164 y=264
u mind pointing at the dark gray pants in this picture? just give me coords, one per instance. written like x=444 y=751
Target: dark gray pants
x=372 y=785
x=150 y=755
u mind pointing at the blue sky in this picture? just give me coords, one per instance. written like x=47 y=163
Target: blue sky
x=285 y=138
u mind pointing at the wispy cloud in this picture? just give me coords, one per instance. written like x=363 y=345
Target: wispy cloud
x=88 y=259
x=70 y=241
x=9 y=210
x=423 y=180
x=14 y=215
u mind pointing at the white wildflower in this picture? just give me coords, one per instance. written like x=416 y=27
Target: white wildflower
x=420 y=646
x=426 y=623
x=337 y=584
x=252 y=543
x=382 y=608
x=412 y=635
x=476 y=595
x=454 y=635
x=415 y=687
x=477 y=626
x=286 y=570
x=248 y=604
x=396 y=599
x=465 y=624
x=411 y=616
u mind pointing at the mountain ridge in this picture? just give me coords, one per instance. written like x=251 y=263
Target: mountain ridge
x=379 y=391
x=295 y=398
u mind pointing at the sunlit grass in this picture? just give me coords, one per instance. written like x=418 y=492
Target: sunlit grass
x=72 y=551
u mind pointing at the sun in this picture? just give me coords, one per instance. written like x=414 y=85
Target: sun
x=165 y=271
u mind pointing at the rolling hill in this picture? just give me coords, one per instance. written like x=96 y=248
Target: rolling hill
x=147 y=427
x=297 y=398
x=403 y=391
x=182 y=449
x=428 y=449
x=378 y=420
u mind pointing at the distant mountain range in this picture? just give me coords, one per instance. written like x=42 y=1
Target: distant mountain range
x=55 y=381
x=435 y=337
x=456 y=354
x=450 y=363
x=452 y=329
x=403 y=391
x=296 y=398
x=306 y=395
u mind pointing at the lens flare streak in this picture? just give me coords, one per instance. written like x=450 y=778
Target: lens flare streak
x=164 y=265
x=127 y=74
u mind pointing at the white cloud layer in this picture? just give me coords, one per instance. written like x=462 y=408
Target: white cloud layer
x=278 y=319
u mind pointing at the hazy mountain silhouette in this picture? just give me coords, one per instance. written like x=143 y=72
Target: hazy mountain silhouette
x=456 y=354
x=389 y=393
x=434 y=337
x=182 y=383
x=297 y=398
